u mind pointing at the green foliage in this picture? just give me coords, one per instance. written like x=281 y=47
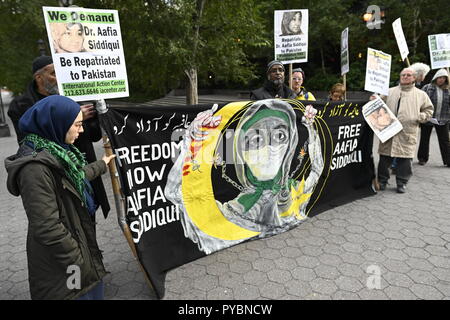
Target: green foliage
x=234 y=43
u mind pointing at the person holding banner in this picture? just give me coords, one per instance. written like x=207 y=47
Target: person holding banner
x=45 y=84
x=412 y=106
x=337 y=92
x=274 y=86
x=52 y=177
x=438 y=91
x=298 y=76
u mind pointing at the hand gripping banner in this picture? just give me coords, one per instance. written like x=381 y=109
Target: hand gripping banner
x=202 y=178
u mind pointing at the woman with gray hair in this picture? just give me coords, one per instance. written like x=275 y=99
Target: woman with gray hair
x=421 y=70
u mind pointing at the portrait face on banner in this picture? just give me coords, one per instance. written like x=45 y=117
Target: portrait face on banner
x=256 y=154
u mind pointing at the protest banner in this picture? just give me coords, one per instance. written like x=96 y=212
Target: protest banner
x=201 y=179
x=87 y=52
x=378 y=71
x=439 y=45
x=345 y=61
x=291 y=35
x=400 y=37
x=381 y=119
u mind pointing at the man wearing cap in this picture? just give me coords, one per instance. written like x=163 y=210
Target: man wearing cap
x=274 y=86
x=45 y=84
x=298 y=76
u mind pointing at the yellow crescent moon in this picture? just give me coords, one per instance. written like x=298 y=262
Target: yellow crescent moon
x=198 y=195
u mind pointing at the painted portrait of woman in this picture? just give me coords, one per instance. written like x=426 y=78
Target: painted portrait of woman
x=270 y=199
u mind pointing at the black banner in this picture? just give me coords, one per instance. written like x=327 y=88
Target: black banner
x=198 y=179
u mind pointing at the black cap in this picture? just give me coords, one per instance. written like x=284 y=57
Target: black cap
x=299 y=70
x=41 y=62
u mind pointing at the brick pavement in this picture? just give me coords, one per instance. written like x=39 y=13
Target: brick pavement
x=331 y=256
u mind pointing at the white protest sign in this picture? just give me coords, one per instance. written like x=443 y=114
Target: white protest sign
x=345 y=63
x=87 y=52
x=381 y=119
x=378 y=71
x=400 y=37
x=439 y=45
x=291 y=35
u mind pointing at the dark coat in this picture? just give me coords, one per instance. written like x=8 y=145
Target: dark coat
x=92 y=133
x=60 y=231
x=269 y=91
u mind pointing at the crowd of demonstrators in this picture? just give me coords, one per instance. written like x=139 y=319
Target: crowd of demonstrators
x=411 y=106
x=439 y=93
x=44 y=84
x=298 y=77
x=274 y=86
x=52 y=177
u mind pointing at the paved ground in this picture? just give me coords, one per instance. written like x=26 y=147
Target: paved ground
x=388 y=246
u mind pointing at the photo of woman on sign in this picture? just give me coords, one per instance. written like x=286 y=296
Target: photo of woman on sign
x=380 y=119
x=291 y=23
x=67 y=37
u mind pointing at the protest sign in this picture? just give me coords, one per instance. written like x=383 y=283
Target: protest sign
x=201 y=179
x=381 y=119
x=345 y=61
x=87 y=52
x=291 y=35
x=439 y=45
x=400 y=37
x=378 y=71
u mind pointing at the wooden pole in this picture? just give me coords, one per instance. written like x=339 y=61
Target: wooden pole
x=344 y=76
x=118 y=197
x=407 y=62
x=290 y=75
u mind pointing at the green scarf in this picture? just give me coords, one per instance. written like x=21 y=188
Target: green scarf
x=72 y=160
x=248 y=200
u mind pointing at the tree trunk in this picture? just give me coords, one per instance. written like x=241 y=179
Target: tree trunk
x=323 y=61
x=192 y=87
x=191 y=72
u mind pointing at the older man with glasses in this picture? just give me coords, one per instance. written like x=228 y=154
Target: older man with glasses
x=412 y=106
x=274 y=86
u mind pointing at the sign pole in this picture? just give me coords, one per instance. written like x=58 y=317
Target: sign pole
x=118 y=198
x=344 y=76
x=290 y=75
x=407 y=62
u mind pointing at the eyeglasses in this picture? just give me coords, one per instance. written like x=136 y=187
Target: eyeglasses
x=273 y=70
x=406 y=75
x=297 y=79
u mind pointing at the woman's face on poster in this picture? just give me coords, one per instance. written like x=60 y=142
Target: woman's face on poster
x=295 y=23
x=72 y=39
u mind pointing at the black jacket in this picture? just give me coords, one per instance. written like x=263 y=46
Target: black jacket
x=61 y=233
x=270 y=91
x=92 y=133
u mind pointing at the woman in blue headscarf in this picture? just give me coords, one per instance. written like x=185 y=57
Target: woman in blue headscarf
x=52 y=178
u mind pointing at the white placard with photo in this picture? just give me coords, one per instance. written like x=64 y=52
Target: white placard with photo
x=291 y=35
x=378 y=71
x=345 y=63
x=439 y=45
x=381 y=119
x=87 y=52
